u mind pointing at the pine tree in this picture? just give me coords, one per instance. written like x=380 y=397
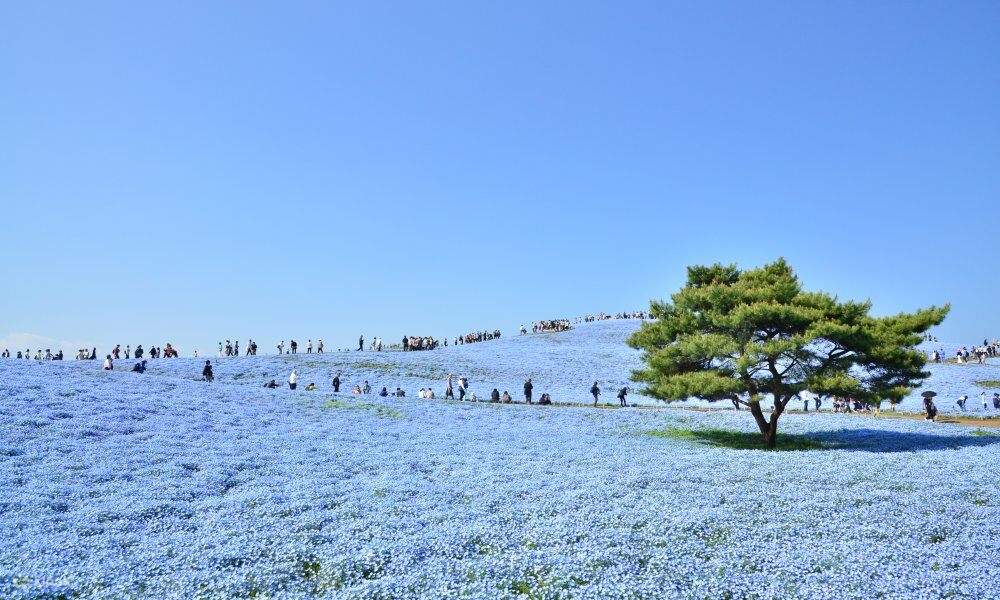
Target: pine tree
x=743 y=336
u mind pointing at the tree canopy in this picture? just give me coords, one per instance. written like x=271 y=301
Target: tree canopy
x=743 y=335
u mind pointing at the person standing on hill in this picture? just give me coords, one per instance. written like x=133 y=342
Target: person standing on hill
x=207 y=372
x=319 y=346
x=294 y=346
x=929 y=409
x=961 y=402
x=527 y=390
x=108 y=365
x=463 y=386
x=281 y=347
x=361 y=343
x=236 y=348
x=595 y=392
x=406 y=343
x=336 y=382
x=293 y=379
x=309 y=346
x=621 y=396
x=982 y=396
x=448 y=391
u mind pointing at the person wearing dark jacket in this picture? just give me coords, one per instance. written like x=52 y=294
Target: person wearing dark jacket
x=271 y=384
x=527 y=390
x=361 y=343
x=336 y=382
x=406 y=343
x=595 y=392
x=384 y=393
x=139 y=367
x=621 y=396
x=495 y=395
x=207 y=371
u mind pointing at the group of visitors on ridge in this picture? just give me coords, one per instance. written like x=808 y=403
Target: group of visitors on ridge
x=964 y=355
x=232 y=348
x=38 y=354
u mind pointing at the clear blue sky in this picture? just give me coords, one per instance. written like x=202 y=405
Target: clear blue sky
x=188 y=173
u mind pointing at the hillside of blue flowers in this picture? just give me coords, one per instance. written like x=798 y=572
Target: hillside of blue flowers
x=158 y=485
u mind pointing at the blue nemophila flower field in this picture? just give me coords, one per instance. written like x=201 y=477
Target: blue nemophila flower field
x=118 y=485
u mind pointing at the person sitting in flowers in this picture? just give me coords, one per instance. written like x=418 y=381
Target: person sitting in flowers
x=506 y=399
x=357 y=390
x=271 y=384
x=545 y=399
x=311 y=387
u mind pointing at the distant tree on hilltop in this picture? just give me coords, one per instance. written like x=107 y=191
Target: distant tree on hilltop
x=742 y=335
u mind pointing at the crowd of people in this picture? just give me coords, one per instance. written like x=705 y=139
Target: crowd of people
x=637 y=314
x=478 y=336
x=549 y=326
x=414 y=342
x=39 y=355
x=117 y=352
x=967 y=354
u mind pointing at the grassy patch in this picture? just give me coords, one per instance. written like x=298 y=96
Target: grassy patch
x=736 y=440
x=989 y=383
x=982 y=432
x=380 y=410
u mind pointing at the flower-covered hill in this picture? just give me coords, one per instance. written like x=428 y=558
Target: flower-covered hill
x=119 y=485
x=116 y=486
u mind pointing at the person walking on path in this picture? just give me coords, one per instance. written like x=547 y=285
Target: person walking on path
x=207 y=372
x=621 y=396
x=449 y=392
x=527 y=390
x=361 y=343
x=595 y=392
x=293 y=380
x=463 y=386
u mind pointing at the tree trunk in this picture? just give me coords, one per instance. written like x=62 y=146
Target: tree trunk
x=771 y=435
x=768 y=428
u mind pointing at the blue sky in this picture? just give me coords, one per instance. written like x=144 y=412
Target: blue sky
x=194 y=171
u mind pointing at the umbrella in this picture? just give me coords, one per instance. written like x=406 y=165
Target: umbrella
x=929 y=394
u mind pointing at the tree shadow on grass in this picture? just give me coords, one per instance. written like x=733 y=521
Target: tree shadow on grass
x=860 y=440
x=736 y=440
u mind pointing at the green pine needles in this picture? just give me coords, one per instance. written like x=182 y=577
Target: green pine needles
x=740 y=336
